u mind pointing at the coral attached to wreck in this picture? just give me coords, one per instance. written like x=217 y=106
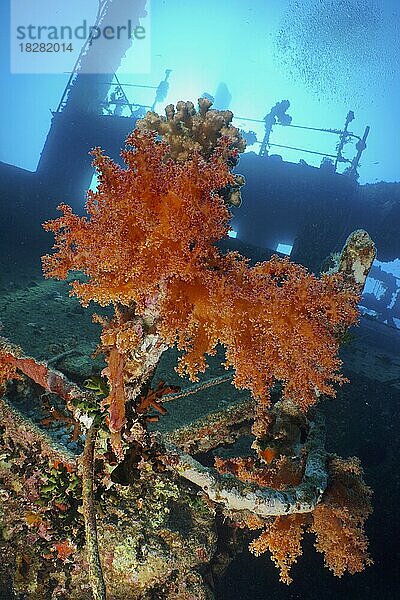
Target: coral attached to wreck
x=147 y=246
x=7 y=370
x=148 y=243
x=338 y=521
x=188 y=131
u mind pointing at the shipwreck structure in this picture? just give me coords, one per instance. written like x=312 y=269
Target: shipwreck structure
x=311 y=209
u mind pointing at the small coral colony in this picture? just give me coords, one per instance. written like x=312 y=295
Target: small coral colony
x=148 y=248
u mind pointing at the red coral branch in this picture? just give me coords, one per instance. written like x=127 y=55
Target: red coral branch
x=51 y=380
x=153 y=399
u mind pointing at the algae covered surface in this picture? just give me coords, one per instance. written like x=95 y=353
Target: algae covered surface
x=156 y=535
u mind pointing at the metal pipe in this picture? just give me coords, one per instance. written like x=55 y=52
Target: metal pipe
x=361 y=145
x=335 y=131
x=309 y=151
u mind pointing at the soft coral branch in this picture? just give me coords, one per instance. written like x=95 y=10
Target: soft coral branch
x=148 y=240
x=154 y=209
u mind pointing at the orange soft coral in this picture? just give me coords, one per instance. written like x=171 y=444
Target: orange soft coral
x=283 y=472
x=282 y=537
x=276 y=321
x=338 y=521
x=148 y=242
x=146 y=224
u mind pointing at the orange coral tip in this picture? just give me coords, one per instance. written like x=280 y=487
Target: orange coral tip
x=268 y=454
